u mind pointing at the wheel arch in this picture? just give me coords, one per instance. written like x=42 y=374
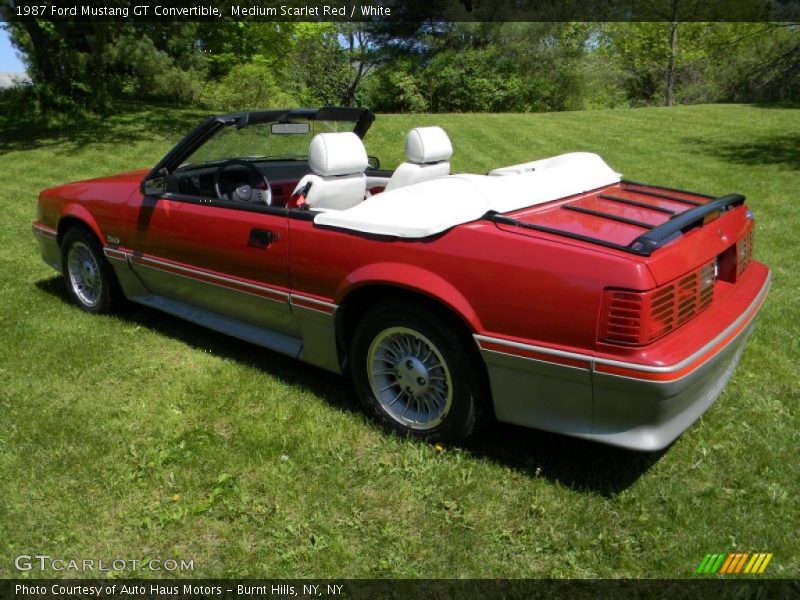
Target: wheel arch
x=75 y=214
x=393 y=283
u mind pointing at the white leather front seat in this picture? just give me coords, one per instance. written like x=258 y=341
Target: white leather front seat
x=428 y=150
x=338 y=161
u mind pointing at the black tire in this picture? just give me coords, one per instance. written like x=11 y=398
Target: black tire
x=384 y=327
x=108 y=296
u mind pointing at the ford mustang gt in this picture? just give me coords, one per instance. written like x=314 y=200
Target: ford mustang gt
x=553 y=294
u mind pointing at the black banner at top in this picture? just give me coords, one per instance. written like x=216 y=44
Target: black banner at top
x=411 y=11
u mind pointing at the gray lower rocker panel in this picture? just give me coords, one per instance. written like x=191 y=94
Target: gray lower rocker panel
x=243 y=331
x=262 y=313
x=315 y=342
x=319 y=338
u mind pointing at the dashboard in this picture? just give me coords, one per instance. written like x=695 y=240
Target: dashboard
x=282 y=176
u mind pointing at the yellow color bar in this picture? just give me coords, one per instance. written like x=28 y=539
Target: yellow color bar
x=760 y=559
x=753 y=560
x=765 y=563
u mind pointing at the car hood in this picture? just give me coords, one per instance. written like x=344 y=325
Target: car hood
x=119 y=186
x=134 y=177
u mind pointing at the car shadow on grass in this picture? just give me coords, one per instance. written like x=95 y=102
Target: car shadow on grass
x=577 y=464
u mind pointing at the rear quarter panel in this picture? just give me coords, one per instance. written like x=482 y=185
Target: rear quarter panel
x=501 y=284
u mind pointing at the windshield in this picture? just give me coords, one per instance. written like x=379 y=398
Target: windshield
x=263 y=141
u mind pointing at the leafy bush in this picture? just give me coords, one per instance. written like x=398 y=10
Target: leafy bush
x=38 y=103
x=394 y=89
x=471 y=81
x=600 y=83
x=248 y=86
x=143 y=71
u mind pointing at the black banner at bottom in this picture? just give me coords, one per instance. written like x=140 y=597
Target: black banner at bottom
x=433 y=589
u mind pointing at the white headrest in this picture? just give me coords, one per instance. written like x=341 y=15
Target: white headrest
x=428 y=145
x=337 y=154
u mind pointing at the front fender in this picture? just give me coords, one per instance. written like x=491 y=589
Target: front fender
x=413 y=278
x=77 y=211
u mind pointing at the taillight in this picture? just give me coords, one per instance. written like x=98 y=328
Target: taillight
x=744 y=252
x=638 y=318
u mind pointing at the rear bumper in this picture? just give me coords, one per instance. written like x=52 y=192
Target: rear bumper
x=650 y=409
x=635 y=406
x=46 y=238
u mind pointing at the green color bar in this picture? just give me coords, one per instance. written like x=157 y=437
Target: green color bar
x=703 y=563
x=711 y=563
x=720 y=560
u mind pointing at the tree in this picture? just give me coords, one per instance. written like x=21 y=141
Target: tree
x=363 y=55
x=226 y=44
x=84 y=64
x=318 y=66
x=768 y=60
x=489 y=67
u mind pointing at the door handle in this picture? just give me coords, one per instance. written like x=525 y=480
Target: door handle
x=261 y=238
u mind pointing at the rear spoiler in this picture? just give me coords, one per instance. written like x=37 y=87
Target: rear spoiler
x=648 y=242
x=655 y=238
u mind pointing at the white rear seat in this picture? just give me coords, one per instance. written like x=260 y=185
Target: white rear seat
x=428 y=150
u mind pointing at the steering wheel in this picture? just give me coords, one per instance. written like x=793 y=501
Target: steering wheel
x=244 y=192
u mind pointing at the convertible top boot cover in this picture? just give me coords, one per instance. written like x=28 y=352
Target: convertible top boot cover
x=431 y=207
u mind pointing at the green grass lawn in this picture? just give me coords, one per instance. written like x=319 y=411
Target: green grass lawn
x=140 y=436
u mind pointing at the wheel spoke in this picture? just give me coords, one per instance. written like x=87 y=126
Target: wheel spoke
x=405 y=410
x=84 y=274
x=409 y=378
x=396 y=398
x=427 y=405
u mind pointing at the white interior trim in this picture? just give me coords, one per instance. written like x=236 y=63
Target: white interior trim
x=423 y=209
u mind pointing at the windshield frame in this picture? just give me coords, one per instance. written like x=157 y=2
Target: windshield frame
x=362 y=117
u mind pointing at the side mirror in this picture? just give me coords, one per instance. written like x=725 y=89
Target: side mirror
x=155 y=185
x=374 y=162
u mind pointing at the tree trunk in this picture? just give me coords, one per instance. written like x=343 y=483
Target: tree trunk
x=673 y=52
x=44 y=69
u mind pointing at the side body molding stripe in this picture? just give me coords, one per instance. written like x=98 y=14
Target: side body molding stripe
x=44 y=230
x=239 y=285
x=313 y=340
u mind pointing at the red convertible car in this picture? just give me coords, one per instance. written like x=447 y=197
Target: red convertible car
x=552 y=294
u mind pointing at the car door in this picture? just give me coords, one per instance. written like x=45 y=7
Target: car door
x=223 y=267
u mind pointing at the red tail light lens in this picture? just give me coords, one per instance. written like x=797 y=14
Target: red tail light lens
x=638 y=318
x=744 y=252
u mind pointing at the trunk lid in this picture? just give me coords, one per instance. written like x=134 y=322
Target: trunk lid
x=673 y=230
